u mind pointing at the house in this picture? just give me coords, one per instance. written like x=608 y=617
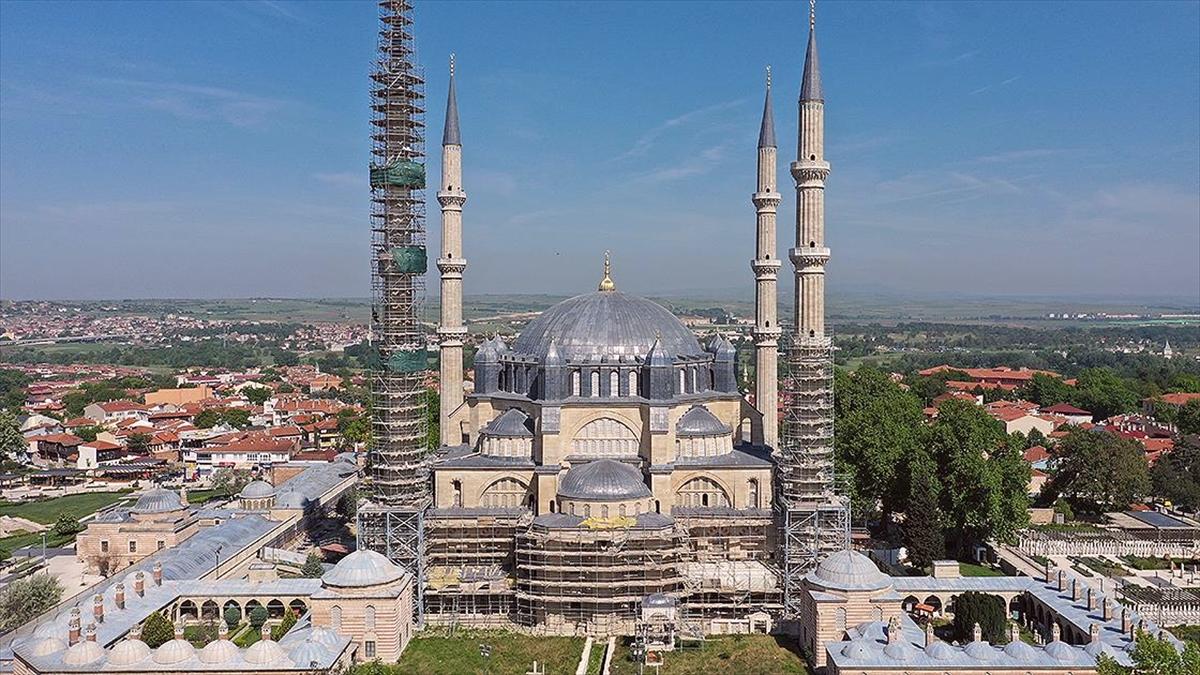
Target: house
x=247 y=452
x=1003 y=376
x=56 y=450
x=1038 y=457
x=1175 y=400
x=111 y=412
x=324 y=382
x=1074 y=415
x=94 y=453
x=178 y=397
x=1015 y=419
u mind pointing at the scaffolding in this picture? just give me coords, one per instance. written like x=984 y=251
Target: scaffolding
x=814 y=516
x=471 y=562
x=391 y=521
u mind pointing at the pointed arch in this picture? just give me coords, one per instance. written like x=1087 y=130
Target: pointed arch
x=505 y=493
x=702 y=492
x=605 y=437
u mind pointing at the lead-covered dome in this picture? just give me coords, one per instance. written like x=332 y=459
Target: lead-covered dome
x=362 y=568
x=257 y=489
x=849 y=571
x=158 y=500
x=606 y=324
x=604 y=480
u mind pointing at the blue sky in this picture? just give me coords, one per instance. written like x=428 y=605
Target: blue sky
x=220 y=148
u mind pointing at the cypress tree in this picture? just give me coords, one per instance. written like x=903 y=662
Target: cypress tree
x=923 y=535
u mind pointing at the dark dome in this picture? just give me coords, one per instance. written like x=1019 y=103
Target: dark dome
x=606 y=323
x=603 y=480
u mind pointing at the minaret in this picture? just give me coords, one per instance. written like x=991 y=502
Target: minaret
x=451 y=265
x=810 y=171
x=766 y=274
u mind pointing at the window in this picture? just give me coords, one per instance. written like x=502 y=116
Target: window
x=506 y=493
x=335 y=617
x=132 y=546
x=614 y=384
x=369 y=649
x=104 y=546
x=369 y=618
x=575 y=383
x=604 y=511
x=752 y=494
x=702 y=492
x=587 y=510
x=682 y=382
x=605 y=437
x=633 y=383
x=595 y=383
x=160 y=545
x=456 y=486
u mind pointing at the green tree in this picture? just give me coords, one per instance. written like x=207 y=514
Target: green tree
x=257 y=395
x=23 y=599
x=66 y=525
x=1176 y=474
x=878 y=426
x=1046 y=390
x=989 y=611
x=347 y=506
x=12 y=388
x=923 y=535
x=1098 y=471
x=1153 y=656
x=12 y=442
x=1102 y=392
x=230 y=481
x=88 y=433
x=258 y=616
x=289 y=620
x=236 y=417
x=232 y=617
x=157 y=630
x=978 y=501
x=1188 y=417
x=312 y=568
x=207 y=418
x=433 y=427
x=137 y=443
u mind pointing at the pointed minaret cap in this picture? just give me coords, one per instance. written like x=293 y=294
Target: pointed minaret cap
x=606 y=284
x=810 y=87
x=450 y=134
x=766 y=134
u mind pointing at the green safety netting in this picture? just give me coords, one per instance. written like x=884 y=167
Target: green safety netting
x=407 y=362
x=410 y=259
x=401 y=174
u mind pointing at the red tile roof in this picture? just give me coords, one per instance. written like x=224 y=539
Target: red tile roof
x=1036 y=454
x=1066 y=409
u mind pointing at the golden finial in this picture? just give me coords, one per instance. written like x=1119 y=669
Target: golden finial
x=451 y=64
x=606 y=284
x=812 y=14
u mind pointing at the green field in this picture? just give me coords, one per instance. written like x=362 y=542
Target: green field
x=973 y=570
x=433 y=652
x=733 y=654
x=76 y=506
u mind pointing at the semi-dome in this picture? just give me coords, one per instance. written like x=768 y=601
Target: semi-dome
x=174 y=651
x=362 y=568
x=849 y=571
x=219 y=651
x=605 y=324
x=158 y=500
x=83 y=653
x=128 y=653
x=900 y=650
x=513 y=423
x=603 y=480
x=858 y=650
x=698 y=421
x=257 y=489
x=267 y=652
x=1060 y=651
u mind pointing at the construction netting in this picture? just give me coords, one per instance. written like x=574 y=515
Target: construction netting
x=401 y=173
x=410 y=259
x=407 y=361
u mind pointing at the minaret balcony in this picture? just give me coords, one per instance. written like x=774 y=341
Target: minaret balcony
x=451 y=267
x=806 y=257
x=764 y=200
x=765 y=269
x=810 y=171
x=452 y=332
x=766 y=336
x=452 y=200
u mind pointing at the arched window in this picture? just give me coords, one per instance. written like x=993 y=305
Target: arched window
x=456 y=488
x=621 y=510
x=633 y=383
x=614 y=384
x=587 y=510
x=752 y=493
x=701 y=492
x=506 y=493
x=595 y=383
x=575 y=383
x=657 y=506
x=552 y=506
x=682 y=382
x=693 y=371
x=605 y=437
x=335 y=617
x=604 y=511
x=369 y=618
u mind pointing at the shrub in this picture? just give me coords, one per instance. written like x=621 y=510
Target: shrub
x=232 y=617
x=157 y=631
x=289 y=620
x=258 y=616
x=312 y=567
x=989 y=611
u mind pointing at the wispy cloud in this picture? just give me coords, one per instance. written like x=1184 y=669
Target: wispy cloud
x=341 y=179
x=997 y=85
x=926 y=185
x=1019 y=155
x=694 y=166
x=200 y=102
x=647 y=140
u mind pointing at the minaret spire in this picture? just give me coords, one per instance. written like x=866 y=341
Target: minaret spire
x=451 y=264
x=766 y=273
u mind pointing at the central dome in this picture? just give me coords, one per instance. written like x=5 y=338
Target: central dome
x=606 y=324
x=603 y=480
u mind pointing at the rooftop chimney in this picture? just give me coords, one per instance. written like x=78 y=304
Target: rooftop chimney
x=265 y=632
x=976 y=633
x=1049 y=571
x=139 y=583
x=893 y=630
x=73 y=627
x=929 y=637
x=119 y=595
x=1094 y=630
x=1106 y=607
x=1055 y=632
x=98 y=608
x=1126 y=621
x=1014 y=633
x=179 y=629
x=223 y=631
x=157 y=573
x=1062 y=581
x=1091 y=599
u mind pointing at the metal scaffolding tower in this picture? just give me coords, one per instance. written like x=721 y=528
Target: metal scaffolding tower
x=397 y=486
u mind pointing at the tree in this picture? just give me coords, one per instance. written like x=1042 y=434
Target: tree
x=1188 y=417
x=236 y=417
x=989 y=611
x=23 y=599
x=1102 y=392
x=922 y=520
x=1098 y=471
x=347 y=506
x=232 y=617
x=88 y=433
x=312 y=568
x=66 y=525
x=1176 y=474
x=878 y=426
x=12 y=442
x=1152 y=655
x=257 y=395
x=984 y=488
x=289 y=620
x=433 y=425
x=137 y=443
x=207 y=418
x=157 y=630
x=258 y=616
x=1046 y=390
x=230 y=481
x=12 y=388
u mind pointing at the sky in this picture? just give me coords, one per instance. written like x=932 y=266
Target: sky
x=219 y=149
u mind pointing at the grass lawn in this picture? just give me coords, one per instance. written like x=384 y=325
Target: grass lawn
x=730 y=654
x=201 y=496
x=972 y=570
x=596 y=657
x=433 y=652
x=10 y=544
x=1138 y=562
x=77 y=506
x=247 y=637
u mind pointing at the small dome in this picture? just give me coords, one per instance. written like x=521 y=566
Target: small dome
x=362 y=568
x=849 y=570
x=49 y=629
x=1017 y=649
x=603 y=480
x=346 y=457
x=309 y=654
x=257 y=489
x=158 y=500
x=658 y=600
x=900 y=650
x=512 y=424
x=174 y=651
x=1060 y=651
x=128 y=653
x=291 y=500
x=1095 y=649
x=698 y=421
x=939 y=651
x=982 y=651
x=858 y=650
x=266 y=652
x=220 y=651
x=83 y=653
x=47 y=646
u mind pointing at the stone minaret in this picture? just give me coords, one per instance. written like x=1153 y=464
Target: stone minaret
x=810 y=171
x=451 y=264
x=766 y=273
